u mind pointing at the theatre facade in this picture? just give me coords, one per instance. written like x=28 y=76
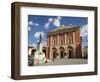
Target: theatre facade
x=64 y=42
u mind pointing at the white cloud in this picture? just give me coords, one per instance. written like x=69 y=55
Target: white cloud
x=47 y=24
x=36 y=24
x=84 y=30
x=34 y=45
x=57 y=21
x=37 y=34
x=50 y=20
x=59 y=18
x=54 y=21
x=29 y=28
x=31 y=23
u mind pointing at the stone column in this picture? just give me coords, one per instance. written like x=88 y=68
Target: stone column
x=73 y=37
x=57 y=39
x=74 y=51
x=51 y=40
x=50 y=56
x=65 y=38
x=60 y=39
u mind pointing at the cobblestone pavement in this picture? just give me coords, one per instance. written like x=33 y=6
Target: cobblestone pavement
x=65 y=62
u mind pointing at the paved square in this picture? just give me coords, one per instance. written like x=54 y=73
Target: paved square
x=65 y=62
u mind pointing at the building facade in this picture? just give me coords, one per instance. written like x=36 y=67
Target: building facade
x=64 y=42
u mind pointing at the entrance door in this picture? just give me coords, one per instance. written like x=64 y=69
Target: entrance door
x=54 y=54
x=70 y=54
x=62 y=54
x=70 y=51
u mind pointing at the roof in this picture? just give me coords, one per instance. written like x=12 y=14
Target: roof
x=63 y=29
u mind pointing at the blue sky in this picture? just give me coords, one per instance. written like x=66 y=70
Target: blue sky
x=42 y=24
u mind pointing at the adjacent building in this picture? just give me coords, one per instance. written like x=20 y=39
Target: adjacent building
x=64 y=42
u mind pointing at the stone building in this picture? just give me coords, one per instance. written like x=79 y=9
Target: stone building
x=64 y=42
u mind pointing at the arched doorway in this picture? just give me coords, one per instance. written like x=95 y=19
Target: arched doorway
x=61 y=52
x=70 y=51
